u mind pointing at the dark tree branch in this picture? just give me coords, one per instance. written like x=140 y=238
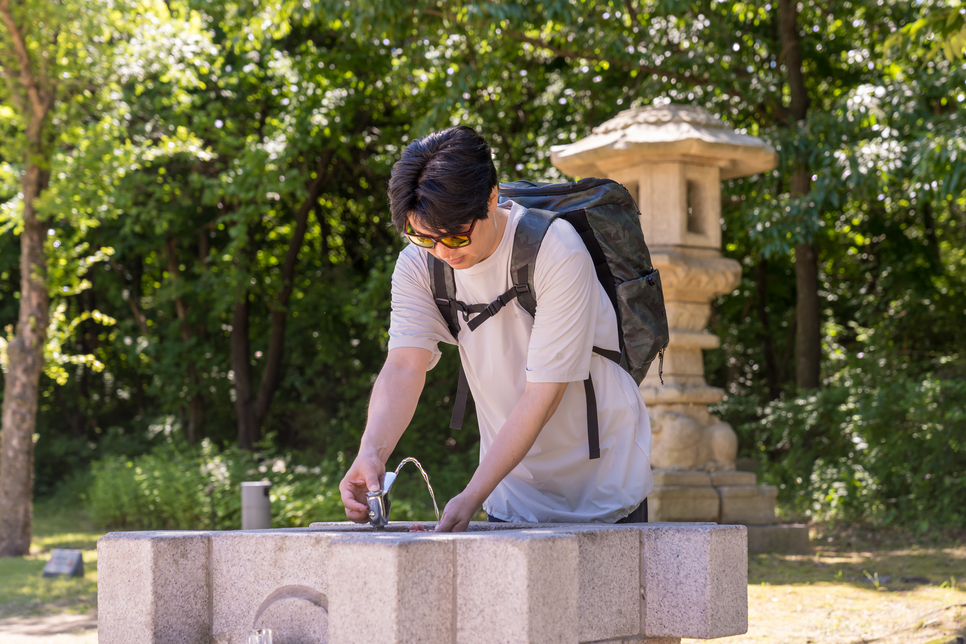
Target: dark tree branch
x=276 y=337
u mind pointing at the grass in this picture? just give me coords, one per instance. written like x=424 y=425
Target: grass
x=24 y=591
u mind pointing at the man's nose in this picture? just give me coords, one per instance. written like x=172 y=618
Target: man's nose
x=443 y=251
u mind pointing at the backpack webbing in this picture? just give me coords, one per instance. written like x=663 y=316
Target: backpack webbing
x=526 y=244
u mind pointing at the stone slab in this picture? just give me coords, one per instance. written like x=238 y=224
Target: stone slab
x=392 y=588
x=342 y=582
x=609 y=573
x=683 y=503
x=748 y=504
x=251 y=568
x=679 y=478
x=516 y=587
x=639 y=639
x=694 y=580
x=790 y=538
x=153 y=587
x=732 y=477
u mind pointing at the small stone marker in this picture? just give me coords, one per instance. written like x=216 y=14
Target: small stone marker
x=64 y=562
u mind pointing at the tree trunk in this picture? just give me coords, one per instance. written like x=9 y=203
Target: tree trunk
x=771 y=372
x=253 y=411
x=25 y=355
x=196 y=403
x=808 y=339
x=242 y=375
x=932 y=241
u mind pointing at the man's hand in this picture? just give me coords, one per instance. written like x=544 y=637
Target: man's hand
x=458 y=513
x=364 y=476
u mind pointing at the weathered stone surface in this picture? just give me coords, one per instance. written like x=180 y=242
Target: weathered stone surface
x=694 y=580
x=733 y=477
x=516 y=587
x=682 y=478
x=639 y=639
x=683 y=503
x=295 y=621
x=392 y=588
x=748 y=504
x=248 y=568
x=608 y=596
x=340 y=583
x=153 y=588
x=785 y=538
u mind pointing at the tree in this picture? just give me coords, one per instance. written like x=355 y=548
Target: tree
x=48 y=54
x=32 y=87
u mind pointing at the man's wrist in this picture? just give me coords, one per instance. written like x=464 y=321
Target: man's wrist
x=373 y=452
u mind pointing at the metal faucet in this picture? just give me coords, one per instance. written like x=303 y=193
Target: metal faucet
x=379 y=503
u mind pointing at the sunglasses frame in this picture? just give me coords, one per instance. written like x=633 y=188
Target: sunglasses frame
x=440 y=240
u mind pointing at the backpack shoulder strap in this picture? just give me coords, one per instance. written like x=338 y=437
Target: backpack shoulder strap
x=531 y=229
x=442 y=284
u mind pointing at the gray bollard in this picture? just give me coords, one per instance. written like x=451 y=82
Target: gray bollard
x=256 y=505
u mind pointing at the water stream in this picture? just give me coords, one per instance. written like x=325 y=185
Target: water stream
x=425 y=478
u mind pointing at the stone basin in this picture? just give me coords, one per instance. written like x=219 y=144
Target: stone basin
x=342 y=583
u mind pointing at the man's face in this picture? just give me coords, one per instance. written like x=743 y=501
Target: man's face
x=483 y=241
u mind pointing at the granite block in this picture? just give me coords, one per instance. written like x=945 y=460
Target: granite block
x=791 y=538
x=392 y=588
x=517 y=587
x=608 y=595
x=153 y=588
x=748 y=504
x=640 y=639
x=683 y=477
x=251 y=567
x=732 y=477
x=683 y=503
x=694 y=580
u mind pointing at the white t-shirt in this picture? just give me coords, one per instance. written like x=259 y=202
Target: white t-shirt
x=556 y=481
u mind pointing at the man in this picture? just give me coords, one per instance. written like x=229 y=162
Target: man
x=525 y=373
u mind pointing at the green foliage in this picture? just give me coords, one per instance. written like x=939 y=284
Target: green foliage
x=173 y=487
x=176 y=487
x=877 y=445
x=192 y=131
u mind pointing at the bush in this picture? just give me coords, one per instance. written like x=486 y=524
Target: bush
x=168 y=488
x=876 y=445
x=174 y=487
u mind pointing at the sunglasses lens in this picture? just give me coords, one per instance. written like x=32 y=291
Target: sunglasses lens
x=425 y=242
x=456 y=242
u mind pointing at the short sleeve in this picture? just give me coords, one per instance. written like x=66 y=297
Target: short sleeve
x=567 y=301
x=415 y=320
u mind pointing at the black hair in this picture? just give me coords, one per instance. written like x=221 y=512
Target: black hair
x=445 y=179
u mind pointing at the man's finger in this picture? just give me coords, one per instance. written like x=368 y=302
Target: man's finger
x=350 y=502
x=372 y=482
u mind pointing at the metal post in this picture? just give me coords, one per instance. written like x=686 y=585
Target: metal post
x=256 y=505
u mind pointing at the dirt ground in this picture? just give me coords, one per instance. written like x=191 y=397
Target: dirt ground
x=883 y=594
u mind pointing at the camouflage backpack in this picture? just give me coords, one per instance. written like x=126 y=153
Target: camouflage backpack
x=607 y=219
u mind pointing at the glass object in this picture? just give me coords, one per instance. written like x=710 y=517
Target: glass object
x=260 y=636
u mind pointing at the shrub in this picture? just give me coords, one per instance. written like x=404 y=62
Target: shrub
x=174 y=487
x=874 y=446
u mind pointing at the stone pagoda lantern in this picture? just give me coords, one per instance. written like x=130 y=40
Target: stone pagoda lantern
x=672 y=159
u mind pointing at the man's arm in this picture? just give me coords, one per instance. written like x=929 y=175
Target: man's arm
x=514 y=440
x=391 y=408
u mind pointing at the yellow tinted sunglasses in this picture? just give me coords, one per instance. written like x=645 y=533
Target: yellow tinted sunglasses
x=429 y=241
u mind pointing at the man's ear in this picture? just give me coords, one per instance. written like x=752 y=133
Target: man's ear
x=494 y=198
